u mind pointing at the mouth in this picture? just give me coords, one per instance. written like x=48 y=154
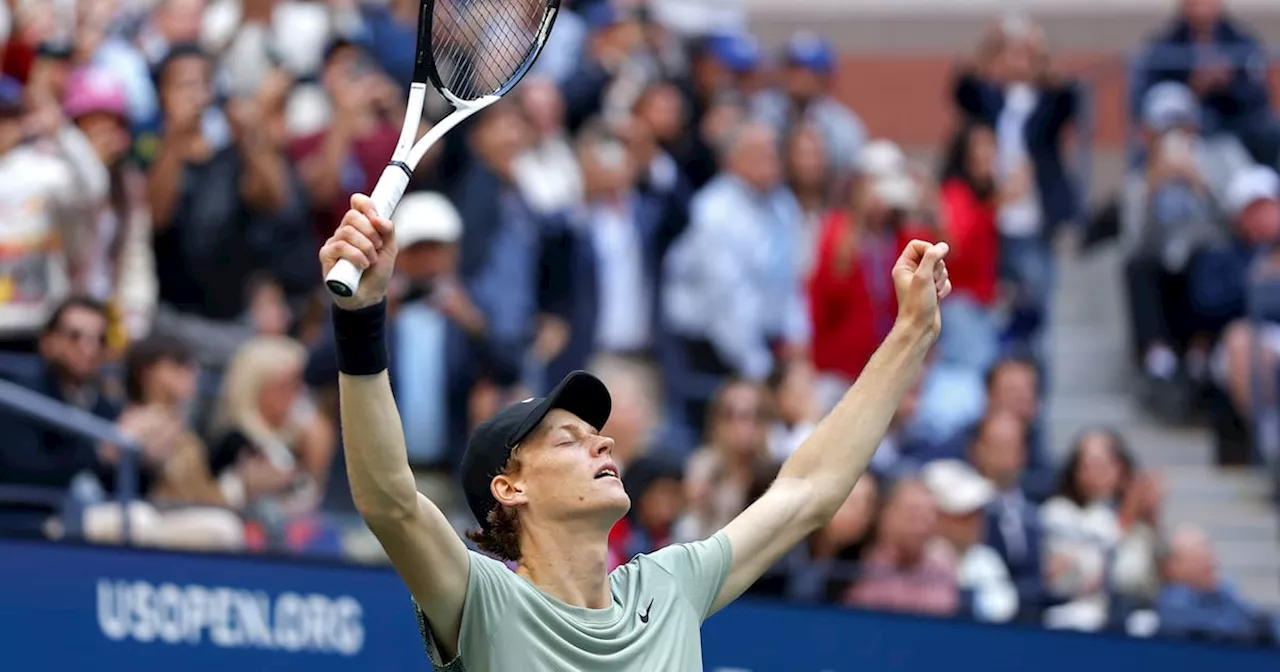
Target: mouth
x=607 y=471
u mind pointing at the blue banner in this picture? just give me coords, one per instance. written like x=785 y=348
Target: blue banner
x=68 y=607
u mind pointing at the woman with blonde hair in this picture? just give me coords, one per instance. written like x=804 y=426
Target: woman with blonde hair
x=264 y=414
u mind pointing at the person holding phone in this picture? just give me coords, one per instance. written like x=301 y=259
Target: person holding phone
x=348 y=155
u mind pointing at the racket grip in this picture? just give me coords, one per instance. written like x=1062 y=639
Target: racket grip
x=344 y=278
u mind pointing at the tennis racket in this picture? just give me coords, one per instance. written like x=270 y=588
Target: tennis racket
x=473 y=52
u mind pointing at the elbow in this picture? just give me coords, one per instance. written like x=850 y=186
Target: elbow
x=387 y=514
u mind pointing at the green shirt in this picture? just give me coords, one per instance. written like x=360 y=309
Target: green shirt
x=659 y=602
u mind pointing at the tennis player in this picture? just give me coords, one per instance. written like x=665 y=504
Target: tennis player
x=541 y=480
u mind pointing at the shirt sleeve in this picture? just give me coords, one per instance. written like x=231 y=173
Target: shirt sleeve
x=699 y=569
x=489 y=591
x=734 y=328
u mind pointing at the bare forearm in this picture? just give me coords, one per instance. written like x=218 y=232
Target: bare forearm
x=265 y=184
x=164 y=184
x=323 y=172
x=835 y=456
x=382 y=485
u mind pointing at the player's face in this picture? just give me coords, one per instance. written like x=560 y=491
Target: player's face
x=567 y=473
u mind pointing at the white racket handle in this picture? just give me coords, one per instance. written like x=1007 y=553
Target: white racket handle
x=344 y=278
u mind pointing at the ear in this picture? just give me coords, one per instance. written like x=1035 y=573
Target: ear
x=508 y=490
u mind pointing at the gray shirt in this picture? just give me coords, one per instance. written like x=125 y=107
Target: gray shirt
x=659 y=602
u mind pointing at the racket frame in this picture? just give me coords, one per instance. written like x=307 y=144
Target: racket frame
x=344 y=278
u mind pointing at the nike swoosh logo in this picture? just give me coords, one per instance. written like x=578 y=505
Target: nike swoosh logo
x=644 y=618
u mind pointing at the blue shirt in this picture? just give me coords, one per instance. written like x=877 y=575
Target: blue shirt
x=733 y=277
x=422 y=381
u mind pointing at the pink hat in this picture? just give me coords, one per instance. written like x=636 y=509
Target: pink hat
x=92 y=90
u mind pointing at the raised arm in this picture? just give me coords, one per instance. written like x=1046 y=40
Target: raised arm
x=418 y=539
x=819 y=476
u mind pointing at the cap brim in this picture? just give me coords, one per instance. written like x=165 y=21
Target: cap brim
x=580 y=393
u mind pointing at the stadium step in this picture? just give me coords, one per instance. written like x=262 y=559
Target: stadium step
x=1091 y=381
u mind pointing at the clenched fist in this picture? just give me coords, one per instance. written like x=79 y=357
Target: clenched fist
x=920 y=280
x=367 y=240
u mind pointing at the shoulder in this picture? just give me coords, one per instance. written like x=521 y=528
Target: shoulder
x=694 y=570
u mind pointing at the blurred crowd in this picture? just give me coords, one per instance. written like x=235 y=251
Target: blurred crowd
x=663 y=201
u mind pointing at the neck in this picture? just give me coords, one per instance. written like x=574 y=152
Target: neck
x=810 y=197
x=567 y=562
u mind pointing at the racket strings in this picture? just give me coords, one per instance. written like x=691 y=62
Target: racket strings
x=479 y=46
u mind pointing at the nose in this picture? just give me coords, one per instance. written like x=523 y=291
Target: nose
x=603 y=446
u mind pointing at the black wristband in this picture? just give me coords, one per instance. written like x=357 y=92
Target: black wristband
x=361 y=339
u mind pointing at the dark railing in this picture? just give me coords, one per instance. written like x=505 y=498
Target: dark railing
x=60 y=417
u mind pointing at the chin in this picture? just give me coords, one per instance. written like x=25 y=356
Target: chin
x=615 y=507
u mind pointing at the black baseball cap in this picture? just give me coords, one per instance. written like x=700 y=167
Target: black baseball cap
x=490 y=446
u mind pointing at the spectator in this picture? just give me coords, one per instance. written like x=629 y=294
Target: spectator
x=1012 y=87
x=962 y=496
x=1197 y=604
x=712 y=103
x=263 y=413
x=1081 y=527
x=498 y=259
x=390 y=29
x=796 y=410
x=612 y=249
x=1226 y=68
x=117 y=264
x=733 y=294
x=45 y=191
x=654 y=136
x=1013 y=385
x=442 y=341
x=968 y=204
x=999 y=453
x=348 y=156
x=610 y=72
x=810 y=179
x=220 y=212
x=805 y=94
x=908 y=568
x=172 y=23
x=851 y=300
x=733 y=468
x=100 y=45
x=71 y=349
x=1172 y=210
x=254 y=37
x=548 y=173
x=1220 y=284
x=189 y=509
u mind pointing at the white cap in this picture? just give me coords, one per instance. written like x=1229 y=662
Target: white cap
x=881 y=157
x=1253 y=184
x=956 y=487
x=897 y=191
x=424 y=217
x=1170 y=104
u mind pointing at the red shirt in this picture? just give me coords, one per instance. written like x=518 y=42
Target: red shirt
x=970 y=227
x=368 y=156
x=851 y=297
